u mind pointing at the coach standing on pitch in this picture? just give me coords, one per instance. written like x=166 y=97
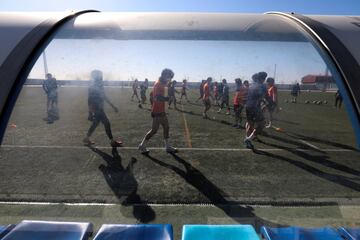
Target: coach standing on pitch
x=96 y=109
x=50 y=88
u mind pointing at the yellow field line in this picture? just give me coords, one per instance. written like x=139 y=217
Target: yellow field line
x=187 y=131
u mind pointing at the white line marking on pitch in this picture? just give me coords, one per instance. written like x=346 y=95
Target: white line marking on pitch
x=182 y=149
x=161 y=204
x=309 y=144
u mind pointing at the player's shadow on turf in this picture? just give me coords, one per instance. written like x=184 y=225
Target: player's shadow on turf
x=190 y=112
x=298 y=144
x=320 y=159
x=334 y=144
x=194 y=177
x=209 y=119
x=285 y=121
x=335 y=178
x=124 y=185
x=196 y=104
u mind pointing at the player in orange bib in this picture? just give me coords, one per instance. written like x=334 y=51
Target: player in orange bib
x=272 y=106
x=206 y=97
x=158 y=113
x=240 y=101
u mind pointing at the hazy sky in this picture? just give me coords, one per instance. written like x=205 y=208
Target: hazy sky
x=344 y=7
x=196 y=60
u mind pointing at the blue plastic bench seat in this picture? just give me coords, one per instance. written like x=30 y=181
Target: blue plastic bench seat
x=349 y=233
x=135 y=232
x=5 y=229
x=219 y=232
x=325 y=233
x=43 y=230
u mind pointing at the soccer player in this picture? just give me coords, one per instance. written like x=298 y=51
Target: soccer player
x=135 y=87
x=201 y=90
x=206 y=97
x=50 y=87
x=183 y=91
x=171 y=94
x=216 y=93
x=151 y=97
x=158 y=112
x=225 y=97
x=295 y=92
x=96 y=100
x=240 y=101
x=272 y=93
x=255 y=119
x=143 y=87
x=238 y=83
x=338 y=99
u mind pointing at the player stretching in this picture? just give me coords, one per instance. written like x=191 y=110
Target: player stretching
x=225 y=97
x=183 y=91
x=50 y=88
x=206 y=97
x=255 y=119
x=96 y=100
x=240 y=100
x=135 y=87
x=158 y=112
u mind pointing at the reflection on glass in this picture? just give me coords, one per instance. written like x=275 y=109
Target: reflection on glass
x=243 y=121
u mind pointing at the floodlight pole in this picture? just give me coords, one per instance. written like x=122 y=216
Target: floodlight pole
x=45 y=63
x=275 y=71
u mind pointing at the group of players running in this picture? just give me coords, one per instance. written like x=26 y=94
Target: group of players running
x=97 y=97
x=255 y=98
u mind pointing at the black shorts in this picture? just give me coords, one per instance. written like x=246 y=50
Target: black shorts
x=254 y=115
x=52 y=98
x=225 y=100
x=162 y=114
x=271 y=106
x=99 y=115
x=207 y=102
x=238 y=109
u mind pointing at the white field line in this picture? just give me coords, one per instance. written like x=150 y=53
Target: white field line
x=97 y=204
x=19 y=203
x=309 y=144
x=181 y=149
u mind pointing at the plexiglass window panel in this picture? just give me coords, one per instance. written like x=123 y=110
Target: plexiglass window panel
x=267 y=126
